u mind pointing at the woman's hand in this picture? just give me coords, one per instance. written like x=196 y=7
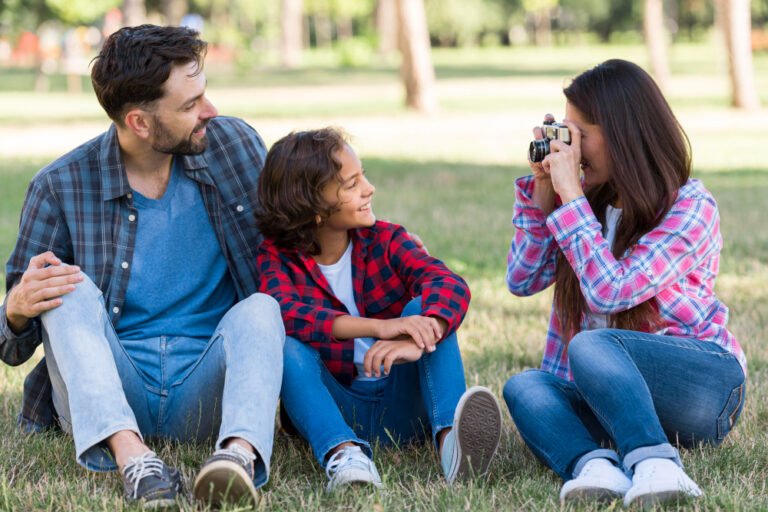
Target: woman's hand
x=388 y=352
x=563 y=165
x=543 y=192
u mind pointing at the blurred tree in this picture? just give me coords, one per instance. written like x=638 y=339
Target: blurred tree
x=734 y=19
x=656 y=41
x=416 y=69
x=134 y=12
x=540 y=12
x=174 y=11
x=291 y=38
x=463 y=22
x=74 y=12
x=386 y=26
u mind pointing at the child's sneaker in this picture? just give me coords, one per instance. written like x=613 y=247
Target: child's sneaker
x=599 y=480
x=469 y=447
x=350 y=465
x=657 y=480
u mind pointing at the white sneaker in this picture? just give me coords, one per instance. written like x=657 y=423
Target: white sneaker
x=657 y=480
x=470 y=445
x=599 y=480
x=351 y=465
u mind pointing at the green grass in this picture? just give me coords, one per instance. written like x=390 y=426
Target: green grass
x=448 y=178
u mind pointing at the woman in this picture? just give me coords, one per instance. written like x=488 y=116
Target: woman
x=638 y=355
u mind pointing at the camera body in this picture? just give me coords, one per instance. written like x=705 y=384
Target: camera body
x=539 y=148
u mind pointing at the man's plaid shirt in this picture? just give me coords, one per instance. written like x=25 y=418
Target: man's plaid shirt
x=81 y=208
x=388 y=270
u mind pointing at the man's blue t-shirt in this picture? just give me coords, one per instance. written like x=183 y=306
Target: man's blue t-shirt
x=179 y=283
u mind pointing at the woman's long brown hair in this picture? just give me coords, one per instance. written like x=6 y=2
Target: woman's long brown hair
x=651 y=160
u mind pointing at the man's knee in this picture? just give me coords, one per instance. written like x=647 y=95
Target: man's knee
x=260 y=313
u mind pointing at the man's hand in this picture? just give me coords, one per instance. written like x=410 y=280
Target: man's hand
x=418 y=241
x=387 y=353
x=423 y=331
x=40 y=289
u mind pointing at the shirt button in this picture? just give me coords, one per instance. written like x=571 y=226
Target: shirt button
x=131 y=217
x=115 y=310
x=124 y=264
x=240 y=208
x=129 y=195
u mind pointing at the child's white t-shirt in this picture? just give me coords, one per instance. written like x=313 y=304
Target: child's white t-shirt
x=612 y=218
x=339 y=276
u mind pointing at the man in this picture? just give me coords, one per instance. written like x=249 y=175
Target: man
x=135 y=267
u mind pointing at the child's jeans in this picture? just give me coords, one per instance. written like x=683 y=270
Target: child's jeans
x=413 y=399
x=638 y=391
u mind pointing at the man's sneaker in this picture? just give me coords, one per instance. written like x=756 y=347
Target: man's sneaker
x=599 y=480
x=227 y=477
x=657 y=480
x=147 y=479
x=469 y=447
x=350 y=465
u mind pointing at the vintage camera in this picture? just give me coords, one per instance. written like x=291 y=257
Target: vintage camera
x=551 y=130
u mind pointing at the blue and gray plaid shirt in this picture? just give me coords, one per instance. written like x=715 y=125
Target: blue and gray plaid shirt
x=81 y=208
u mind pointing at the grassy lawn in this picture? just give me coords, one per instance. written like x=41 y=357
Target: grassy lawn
x=448 y=178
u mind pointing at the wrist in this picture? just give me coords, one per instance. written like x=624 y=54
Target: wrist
x=16 y=323
x=571 y=194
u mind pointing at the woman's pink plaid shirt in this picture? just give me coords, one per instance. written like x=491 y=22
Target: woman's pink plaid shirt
x=676 y=263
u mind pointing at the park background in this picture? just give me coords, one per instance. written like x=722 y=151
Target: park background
x=440 y=97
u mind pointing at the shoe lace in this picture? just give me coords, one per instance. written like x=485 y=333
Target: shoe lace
x=141 y=467
x=243 y=456
x=346 y=458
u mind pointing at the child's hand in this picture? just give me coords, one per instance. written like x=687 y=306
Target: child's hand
x=424 y=331
x=387 y=353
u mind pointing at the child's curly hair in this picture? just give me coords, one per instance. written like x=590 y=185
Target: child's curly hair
x=296 y=170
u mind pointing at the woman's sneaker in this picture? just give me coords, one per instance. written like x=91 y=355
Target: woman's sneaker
x=469 y=447
x=657 y=480
x=147 y=479
x=599 y=480
x=227 y=477
x=350 y=465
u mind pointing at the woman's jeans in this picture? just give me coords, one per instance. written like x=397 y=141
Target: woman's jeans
x=398 y=409
x=169 y=387
x=639 y=392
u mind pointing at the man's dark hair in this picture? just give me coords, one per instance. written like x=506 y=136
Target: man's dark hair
x=135 y=62
x=296 y=170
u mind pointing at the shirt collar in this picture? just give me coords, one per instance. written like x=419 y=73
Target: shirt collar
x=114 y=180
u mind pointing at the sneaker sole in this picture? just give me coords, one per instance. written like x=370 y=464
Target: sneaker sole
x=478 y=431
x=592 y=495
x=656 y=498
x=224 y=482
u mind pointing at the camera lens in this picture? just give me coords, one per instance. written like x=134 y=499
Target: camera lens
x=538 y=149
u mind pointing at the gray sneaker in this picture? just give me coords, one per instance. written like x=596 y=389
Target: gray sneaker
x=227 y=477
x=147 y=479
x=351 y=466
x=469 y=447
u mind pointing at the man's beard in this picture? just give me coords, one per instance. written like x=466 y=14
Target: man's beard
x=164 y=142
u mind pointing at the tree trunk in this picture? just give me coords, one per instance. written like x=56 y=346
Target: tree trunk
x=735 y=22
x=292 y=35
x=323 y=30
x=134 y=12
x=174 y=10
x=656 y=41
x=542 y=28
x=386 y=26
x=416 y=70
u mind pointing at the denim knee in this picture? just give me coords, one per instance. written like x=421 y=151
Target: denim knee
x=412 y=308
x=587 y=351
x=259 y=312
x=529 y=389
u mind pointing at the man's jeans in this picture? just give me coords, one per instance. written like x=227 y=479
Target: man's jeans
x=398 y=409
x=175 y=388
x=636 y=391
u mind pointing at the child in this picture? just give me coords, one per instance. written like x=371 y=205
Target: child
x=371 y=352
